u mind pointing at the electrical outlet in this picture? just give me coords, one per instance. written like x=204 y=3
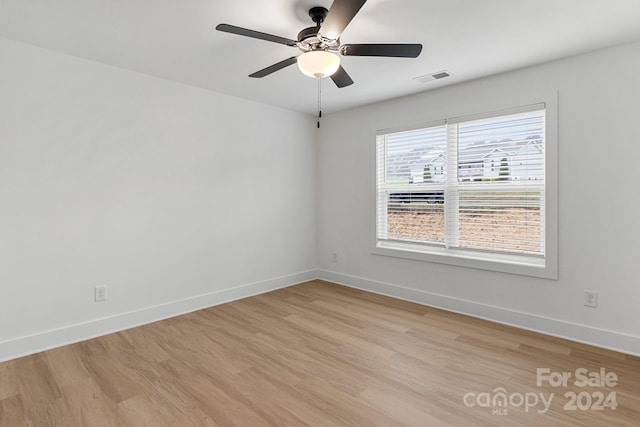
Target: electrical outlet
x=590 y=299
x=334 y=257
x=100 y=293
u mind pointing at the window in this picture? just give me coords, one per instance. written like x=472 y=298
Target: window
x=470 y=188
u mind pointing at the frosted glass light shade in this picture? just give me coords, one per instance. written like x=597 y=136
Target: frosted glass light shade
x=318 y=63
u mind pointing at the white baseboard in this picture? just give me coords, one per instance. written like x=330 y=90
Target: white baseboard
x=46 y=340
x=611 y=340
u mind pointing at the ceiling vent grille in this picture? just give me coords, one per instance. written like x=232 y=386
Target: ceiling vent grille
x=433 y=76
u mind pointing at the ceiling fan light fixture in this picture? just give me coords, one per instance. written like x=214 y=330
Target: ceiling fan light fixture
x=318 y=63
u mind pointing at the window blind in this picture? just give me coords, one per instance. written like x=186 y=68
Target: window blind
x=474 y=183
x=411 y=175
x=500 y=183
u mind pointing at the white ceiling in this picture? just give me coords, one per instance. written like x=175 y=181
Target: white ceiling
x=176 y=40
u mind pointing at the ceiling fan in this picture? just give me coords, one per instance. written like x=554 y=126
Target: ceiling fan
x=321 y=44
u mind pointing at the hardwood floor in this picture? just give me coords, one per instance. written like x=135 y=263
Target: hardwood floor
x=316 y=354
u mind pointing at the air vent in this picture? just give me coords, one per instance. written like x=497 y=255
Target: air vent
x=441 y=75
x=433 y=76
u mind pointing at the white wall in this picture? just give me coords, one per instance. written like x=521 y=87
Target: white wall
x=599 y=214
x=173 y=196
x=178 y=198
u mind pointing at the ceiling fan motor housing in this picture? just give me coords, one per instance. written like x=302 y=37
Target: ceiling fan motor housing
x=309 y=39
x=309 y=36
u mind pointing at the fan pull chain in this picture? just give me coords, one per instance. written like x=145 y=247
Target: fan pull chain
x=319 y=101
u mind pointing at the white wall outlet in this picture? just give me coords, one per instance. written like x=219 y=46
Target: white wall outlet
x=590 y=299
x=100 y=293
x=334 y=257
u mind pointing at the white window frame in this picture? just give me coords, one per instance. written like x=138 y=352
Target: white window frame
x=542 y=267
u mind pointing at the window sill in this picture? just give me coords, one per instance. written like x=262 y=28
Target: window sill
x=513 y=264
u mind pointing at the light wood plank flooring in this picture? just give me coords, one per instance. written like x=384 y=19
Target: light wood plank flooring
x=315 y=354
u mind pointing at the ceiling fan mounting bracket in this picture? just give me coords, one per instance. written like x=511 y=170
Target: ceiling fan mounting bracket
x=317 y=14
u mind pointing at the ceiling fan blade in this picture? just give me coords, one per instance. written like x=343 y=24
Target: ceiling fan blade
x=339 y=16
x=275 y=67
x=341 y=78
x=255 y=34
x=390 y=50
